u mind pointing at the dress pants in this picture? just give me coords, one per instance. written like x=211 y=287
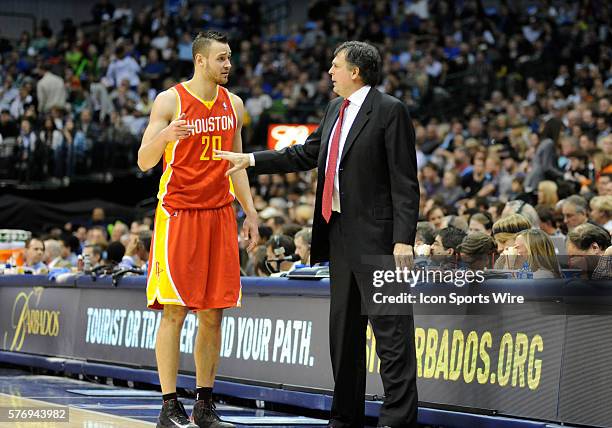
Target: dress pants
x=347 y=334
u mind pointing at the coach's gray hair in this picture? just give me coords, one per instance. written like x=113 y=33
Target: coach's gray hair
x=365 y=57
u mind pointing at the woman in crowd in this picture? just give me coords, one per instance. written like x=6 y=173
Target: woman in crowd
x=481 y=222
x=504 y=233
x=435 y=216
x=536 y=247
x=547 y=193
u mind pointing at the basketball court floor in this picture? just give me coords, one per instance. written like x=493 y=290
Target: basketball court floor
x=92 y=405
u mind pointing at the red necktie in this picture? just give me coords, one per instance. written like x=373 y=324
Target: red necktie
x=330 y=172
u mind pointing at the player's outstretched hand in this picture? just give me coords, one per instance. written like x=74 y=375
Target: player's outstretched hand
x=238 y=160
x=178 y=129
x=250 y=231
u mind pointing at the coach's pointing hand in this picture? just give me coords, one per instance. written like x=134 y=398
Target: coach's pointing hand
x=238 y=160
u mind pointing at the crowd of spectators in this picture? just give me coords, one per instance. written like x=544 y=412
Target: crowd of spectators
x=91 y=246
x=510 y=104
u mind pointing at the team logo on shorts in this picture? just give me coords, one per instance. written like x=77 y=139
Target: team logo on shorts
x=158 y=270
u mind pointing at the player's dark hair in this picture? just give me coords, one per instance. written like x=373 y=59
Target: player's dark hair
x=365 y=57
x=203 y=40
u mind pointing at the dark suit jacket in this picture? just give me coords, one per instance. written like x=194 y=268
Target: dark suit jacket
x=379 y=191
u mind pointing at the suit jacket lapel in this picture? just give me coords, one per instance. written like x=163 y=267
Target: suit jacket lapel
x=360 y=121
x=328 y=126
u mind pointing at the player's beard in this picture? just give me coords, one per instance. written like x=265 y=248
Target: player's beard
x=223 y=78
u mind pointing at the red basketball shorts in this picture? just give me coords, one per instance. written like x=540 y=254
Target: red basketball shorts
x=194 y=259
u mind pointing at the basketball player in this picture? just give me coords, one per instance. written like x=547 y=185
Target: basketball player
x=193 y=264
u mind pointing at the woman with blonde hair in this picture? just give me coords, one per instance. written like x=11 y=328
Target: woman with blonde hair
x=536 y=247
x=504 y=233
x=547 y=193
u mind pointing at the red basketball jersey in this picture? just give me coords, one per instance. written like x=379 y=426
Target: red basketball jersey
x=193 y=177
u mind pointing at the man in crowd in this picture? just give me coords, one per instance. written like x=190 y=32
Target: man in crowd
x=34 y=255
x=575 y=212
x=588 y=246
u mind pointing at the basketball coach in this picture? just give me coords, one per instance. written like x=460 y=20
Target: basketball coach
x=367 y=204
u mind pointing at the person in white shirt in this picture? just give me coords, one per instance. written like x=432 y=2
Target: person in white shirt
x=123 y=67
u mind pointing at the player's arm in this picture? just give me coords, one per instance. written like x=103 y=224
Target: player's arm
x=250 y=227
x=161 y=130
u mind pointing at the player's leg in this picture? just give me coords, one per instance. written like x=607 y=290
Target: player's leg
x=167 y=346
x=167 y=354
x=206 y=355
x=207 y=346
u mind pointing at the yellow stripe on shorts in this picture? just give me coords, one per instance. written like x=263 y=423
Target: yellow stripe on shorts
x=160 y=285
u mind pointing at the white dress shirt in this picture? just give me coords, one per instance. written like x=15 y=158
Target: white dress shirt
x=355 y=102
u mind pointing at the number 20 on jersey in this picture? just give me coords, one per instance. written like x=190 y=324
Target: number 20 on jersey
x=207 y=152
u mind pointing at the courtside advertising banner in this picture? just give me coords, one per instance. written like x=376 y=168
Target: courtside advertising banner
x=512 y=362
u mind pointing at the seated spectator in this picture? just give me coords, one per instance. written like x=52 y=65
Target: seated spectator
x=70 y=246
x=279 y=252
x=601 y=211
x=480 y=222
x=260 y=267
x=425 y=233
x=265 y=233
x=604 y=184
x=53 y=255
x=302 y=241
x=94 y=253
x=586 y=244
x=435 y=216
x=431 y=178
x=119 y=229
x=450 y=191
x=504 y=232
x=137 y=251
x=535 y=246
x=455 y=221
x=97 y=236
x=477 y=251
x=547 y=193
x=524 y=209
x=575 y=212
x=114 y=253
x=34 y=254
x=444 y=247
x=549 y=218
x=474 y=181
